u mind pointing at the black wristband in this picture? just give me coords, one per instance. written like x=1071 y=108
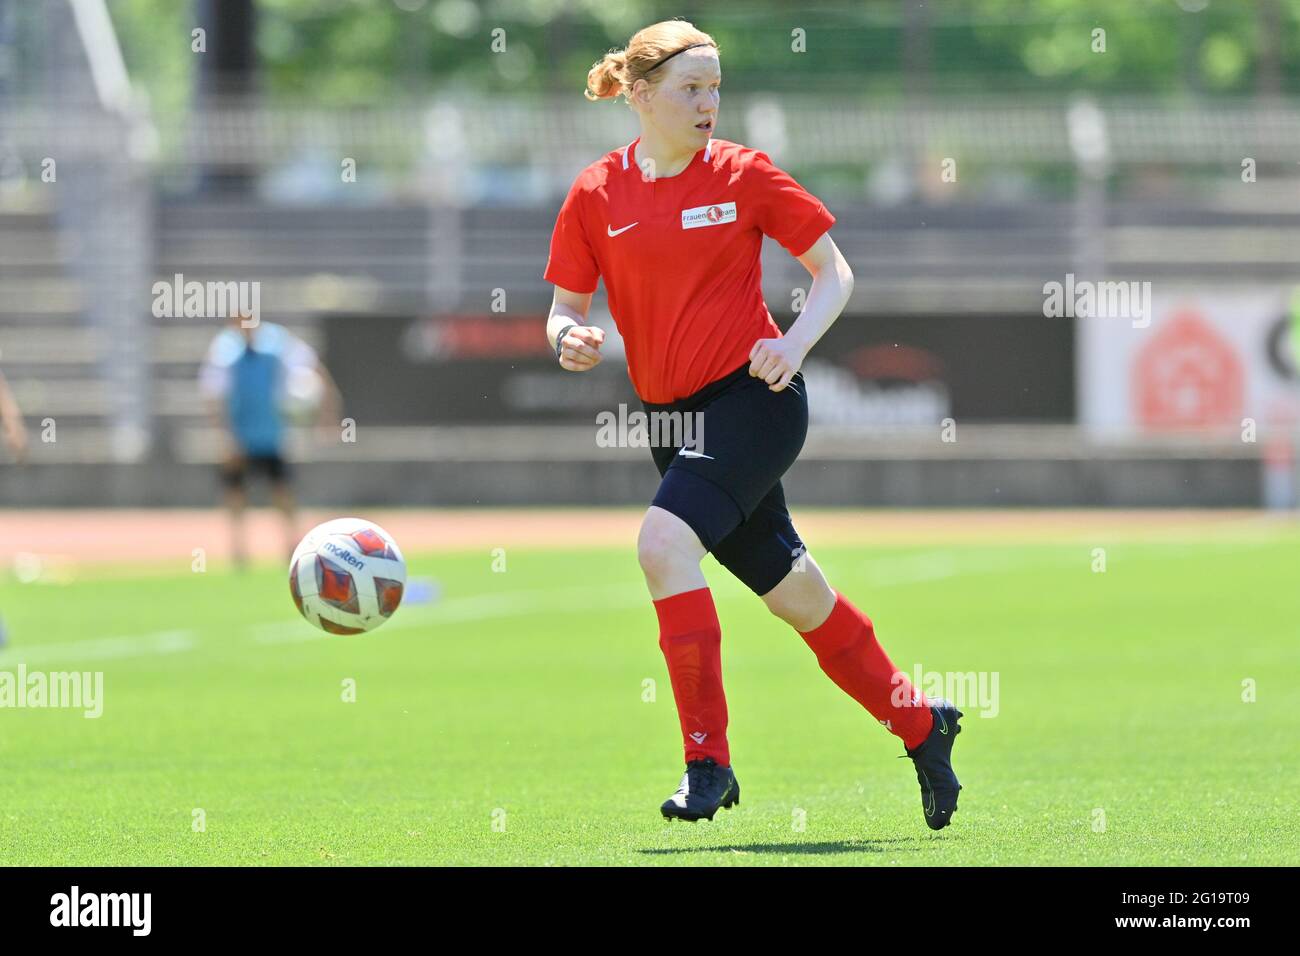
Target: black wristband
x=559 y=339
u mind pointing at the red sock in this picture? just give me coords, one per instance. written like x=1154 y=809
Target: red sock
x=691 y=639
x=847 y=650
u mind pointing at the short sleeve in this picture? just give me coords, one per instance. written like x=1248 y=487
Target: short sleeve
x=298 y=354
x=214 y=372
x=787 y=212
x=572 y=264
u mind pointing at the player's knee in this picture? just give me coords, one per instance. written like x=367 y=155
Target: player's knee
x=803 y=599
x=793 y=612
x=664 y=545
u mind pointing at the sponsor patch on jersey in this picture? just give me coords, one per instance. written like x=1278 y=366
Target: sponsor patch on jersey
x=712 y=215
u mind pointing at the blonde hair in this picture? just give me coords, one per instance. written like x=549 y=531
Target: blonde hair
x=618 y=70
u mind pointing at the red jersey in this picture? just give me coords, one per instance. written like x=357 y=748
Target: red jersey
x=680 y=257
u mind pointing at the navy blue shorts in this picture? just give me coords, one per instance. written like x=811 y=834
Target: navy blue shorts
x=272 y=465
x=721 y=457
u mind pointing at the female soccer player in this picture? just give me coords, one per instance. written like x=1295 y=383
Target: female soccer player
x=674 y=223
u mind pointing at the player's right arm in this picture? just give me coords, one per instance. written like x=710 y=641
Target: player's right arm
x=214 y=385
x=572 y=265
x=580 y=348
x=219 y=418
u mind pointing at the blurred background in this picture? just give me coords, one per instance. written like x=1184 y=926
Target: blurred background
x=389 y=172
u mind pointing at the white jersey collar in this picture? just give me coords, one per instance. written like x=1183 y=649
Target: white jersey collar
x=630 y=155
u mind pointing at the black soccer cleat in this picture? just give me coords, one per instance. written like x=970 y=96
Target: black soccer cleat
x=705 y=787
x=933 y=760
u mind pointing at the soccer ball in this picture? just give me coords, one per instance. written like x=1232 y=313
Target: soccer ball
x=347 y=576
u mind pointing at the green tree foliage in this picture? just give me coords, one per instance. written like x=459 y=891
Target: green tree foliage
x=354 y=52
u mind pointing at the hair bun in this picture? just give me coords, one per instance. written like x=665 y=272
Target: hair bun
x=605 y=79
x=619 y=70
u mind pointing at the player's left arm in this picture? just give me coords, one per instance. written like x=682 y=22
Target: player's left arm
x=329 y=415
x=11 y=422
x=331 y=406
x=776 y=361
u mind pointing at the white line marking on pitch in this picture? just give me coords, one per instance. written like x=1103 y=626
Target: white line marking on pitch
x=477 y=607
x=939 y=565
x=101 y=648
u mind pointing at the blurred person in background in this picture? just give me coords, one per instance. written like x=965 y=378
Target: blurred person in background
x=674 y=224
x=15 y=439
x=1294 y=498
x=11 y=422
x=1295 y=329
x=254 y=377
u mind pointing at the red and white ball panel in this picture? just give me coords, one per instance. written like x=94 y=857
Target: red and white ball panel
x=347 y=576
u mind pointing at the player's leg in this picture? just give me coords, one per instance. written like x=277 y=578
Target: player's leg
x=282 y=497
x=669 y=553
x=848 y=652
x=669 y=548
x=711 y=491
x=803 y=598
x=767 y=554
x=690 y=638
x=235 y=499
x=692 y=511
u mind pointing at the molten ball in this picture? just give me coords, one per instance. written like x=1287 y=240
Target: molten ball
x=347 y=576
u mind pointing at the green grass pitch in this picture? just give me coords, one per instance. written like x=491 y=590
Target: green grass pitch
x=511 y=722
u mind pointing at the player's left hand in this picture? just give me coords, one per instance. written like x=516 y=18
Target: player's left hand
x=775 y=361
x=15 y=438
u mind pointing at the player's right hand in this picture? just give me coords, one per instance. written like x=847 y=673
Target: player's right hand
x=580 y=349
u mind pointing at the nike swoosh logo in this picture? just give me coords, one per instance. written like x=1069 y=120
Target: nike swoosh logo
x=687 y=453
x=614 y=232
x=943 y=729
x=929 y=810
